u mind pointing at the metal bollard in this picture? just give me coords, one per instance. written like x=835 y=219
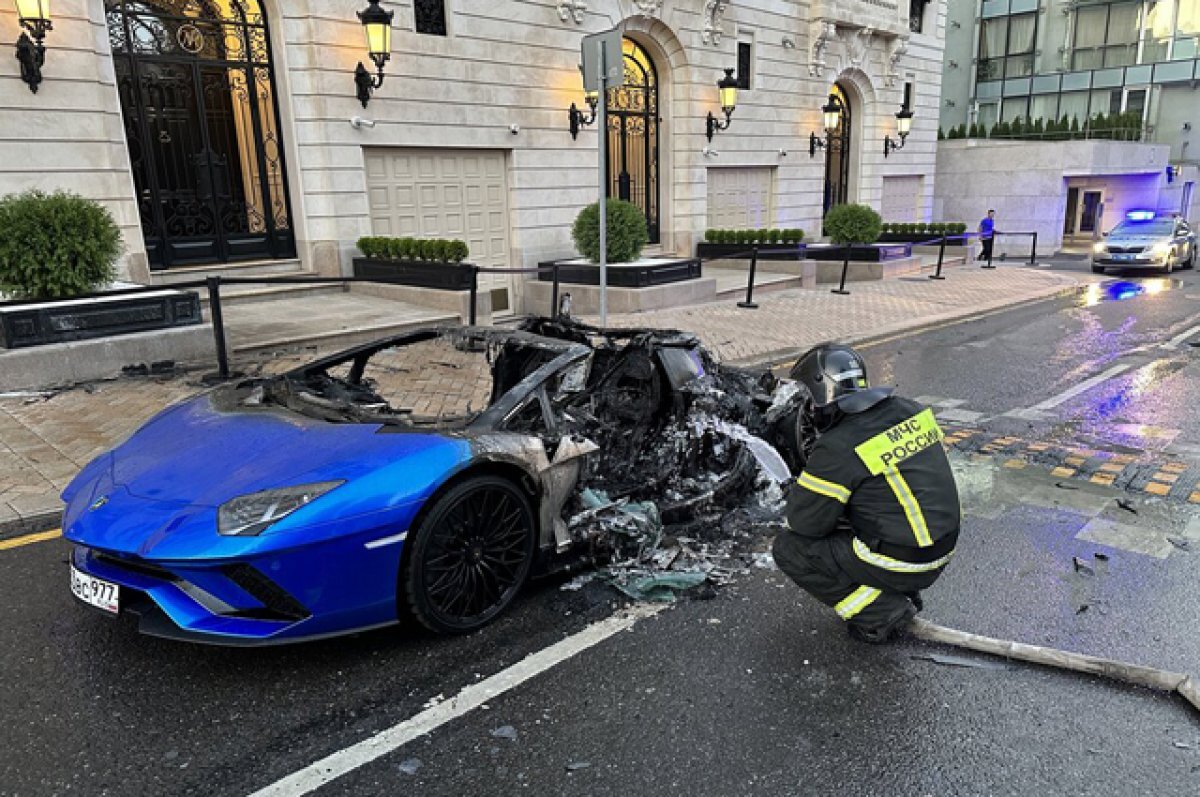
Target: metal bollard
x=841 y=288
x=1033 y=250
x=941 y=257
x=749 y=303
x=554 y=303
x=218 y=323
x=474 y=292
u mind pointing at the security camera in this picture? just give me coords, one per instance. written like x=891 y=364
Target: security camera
x=710 y=152
x=358 y=123
x=514 y=129
x=782 y=152
x=1187 y=126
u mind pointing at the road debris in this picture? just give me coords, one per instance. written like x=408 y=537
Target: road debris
x=1082 y=566
x=505 y=732
x=1127 y=505
x=959 y=661
x=1182 y=543
x=575 y=766
x=409 y=766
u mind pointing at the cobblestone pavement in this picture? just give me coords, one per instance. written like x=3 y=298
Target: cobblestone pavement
x=45 y=440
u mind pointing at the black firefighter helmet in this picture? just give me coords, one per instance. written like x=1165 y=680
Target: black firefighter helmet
x=837 y=375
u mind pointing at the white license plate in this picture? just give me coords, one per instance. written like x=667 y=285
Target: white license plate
x=89 y=589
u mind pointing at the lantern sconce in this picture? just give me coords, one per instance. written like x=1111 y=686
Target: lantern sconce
x=903 y=128
x=377 y=24
x=831 y=115
x=727 y=88
x=34 y=17
x=577 y=117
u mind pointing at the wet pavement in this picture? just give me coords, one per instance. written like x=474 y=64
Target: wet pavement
x=756 y=691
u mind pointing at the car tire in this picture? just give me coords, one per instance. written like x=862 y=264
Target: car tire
x=1097 y=269
x=1167 y=266
x=470 y=556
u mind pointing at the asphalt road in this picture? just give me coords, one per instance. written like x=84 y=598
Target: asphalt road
x=757 y=691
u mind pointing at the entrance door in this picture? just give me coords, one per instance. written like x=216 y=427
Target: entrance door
x=1089 y=218
x=837 y=153
x=1072 y=211
x=632 y=138
x=199 y=106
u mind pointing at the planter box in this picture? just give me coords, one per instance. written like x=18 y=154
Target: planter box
x=25 y=324
x=644 y=273
x=861 y=253
x=920 y=238
x=711 y=251
x=418 y=273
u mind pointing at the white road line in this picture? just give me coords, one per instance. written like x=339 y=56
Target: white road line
x=1174 y=342
x=1082 y=387
x=333 y=766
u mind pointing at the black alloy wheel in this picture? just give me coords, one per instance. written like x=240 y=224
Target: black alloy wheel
x=470 y=555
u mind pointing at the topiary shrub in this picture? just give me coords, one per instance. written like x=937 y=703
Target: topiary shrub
x=457 y=251
x=626 y=233
x=371 y=246
x=55 y=246
x=775 y=235
x=710 y=236
x=852 y=224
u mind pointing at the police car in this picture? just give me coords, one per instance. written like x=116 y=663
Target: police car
x=1146 y=239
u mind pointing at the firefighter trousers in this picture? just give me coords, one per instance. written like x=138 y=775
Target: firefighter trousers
x=829 y=570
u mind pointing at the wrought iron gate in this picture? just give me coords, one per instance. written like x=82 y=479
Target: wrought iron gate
x=202 y=121
x=633 y=137
x=837 y=154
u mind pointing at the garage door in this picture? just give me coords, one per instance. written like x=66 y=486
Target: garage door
x=739 y=198
x=431 y=193
x=902 y=198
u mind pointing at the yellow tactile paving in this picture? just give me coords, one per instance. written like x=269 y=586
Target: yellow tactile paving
x=1157 y=488
x=1194 y=497
x=1162 y=476
x=1105 y=479
x=1075 y=462
x=1063 y=472
x=1175 y=467
x=1016 y=464
x=1112 y=467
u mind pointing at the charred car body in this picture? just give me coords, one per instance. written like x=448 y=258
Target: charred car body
x=432 y=472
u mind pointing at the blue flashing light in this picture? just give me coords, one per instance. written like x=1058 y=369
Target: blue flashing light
x=1140 y=215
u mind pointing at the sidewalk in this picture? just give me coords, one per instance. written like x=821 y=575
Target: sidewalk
x=45 y=440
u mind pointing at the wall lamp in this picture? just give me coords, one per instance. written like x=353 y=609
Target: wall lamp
x=727 y=88
x=577 y=117
x=831 y=115
x=377 y=24
x=34 y=16
x=903 y=128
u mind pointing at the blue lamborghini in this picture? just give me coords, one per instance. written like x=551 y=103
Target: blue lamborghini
x=425 y=474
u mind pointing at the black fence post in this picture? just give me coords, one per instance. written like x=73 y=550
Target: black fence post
x=749 y=303
x=474 y=292
x=1033 y=250
x=554 y=313
x=841 y=288
x=941 y=258
x=218 y=323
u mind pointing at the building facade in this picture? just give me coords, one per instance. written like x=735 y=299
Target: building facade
x=1092 y=65
x=228 y=131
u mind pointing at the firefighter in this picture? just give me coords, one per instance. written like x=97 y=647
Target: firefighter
x=873 y=518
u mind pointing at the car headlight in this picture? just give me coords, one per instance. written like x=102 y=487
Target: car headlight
x=248 y=515
x=1100 y=248
x=1161 y=249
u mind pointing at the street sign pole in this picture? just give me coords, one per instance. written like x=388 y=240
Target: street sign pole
x=602 y=128
x=607 y=55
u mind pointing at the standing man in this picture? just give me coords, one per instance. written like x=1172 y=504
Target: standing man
x=874 y=517
x=987 y=231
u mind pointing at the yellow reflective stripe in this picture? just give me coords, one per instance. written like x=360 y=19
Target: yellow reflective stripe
x=856 y=601
x=885 y=451
x=828 y=489
x=912 y=509
x=895 y=565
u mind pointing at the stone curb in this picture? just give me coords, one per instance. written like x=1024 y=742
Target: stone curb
x=32 y=524
x=784 y=356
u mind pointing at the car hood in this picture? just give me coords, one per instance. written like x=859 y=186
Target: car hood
x=195 y=454
x=1142 y=240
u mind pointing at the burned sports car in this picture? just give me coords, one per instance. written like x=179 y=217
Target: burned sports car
x=431 y=473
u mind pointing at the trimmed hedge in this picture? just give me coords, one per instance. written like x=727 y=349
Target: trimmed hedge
x=626 y=234
x=765 y=237
x=436 y=250
x=852 y=224
x=55 y=246
x=923 y=228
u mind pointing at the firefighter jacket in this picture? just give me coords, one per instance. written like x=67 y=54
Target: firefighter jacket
x=884 y=470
